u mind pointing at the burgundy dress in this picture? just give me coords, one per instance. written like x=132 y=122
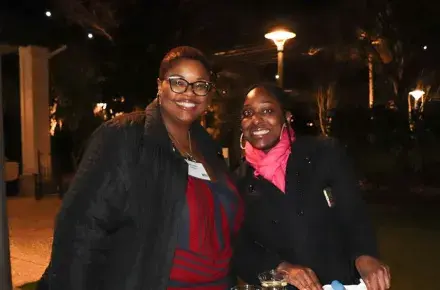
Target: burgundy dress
x=211 y=217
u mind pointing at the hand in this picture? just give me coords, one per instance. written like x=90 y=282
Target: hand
x=375 y=274
x=301 y=277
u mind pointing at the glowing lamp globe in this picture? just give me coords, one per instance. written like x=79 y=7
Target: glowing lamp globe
x=279 y=37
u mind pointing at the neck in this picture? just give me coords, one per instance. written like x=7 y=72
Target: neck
x=176 y=129
x=267 y=150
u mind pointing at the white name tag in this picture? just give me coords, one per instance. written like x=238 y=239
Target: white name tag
x=197 y=170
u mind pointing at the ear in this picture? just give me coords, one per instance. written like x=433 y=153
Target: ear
x=159 y=85
x=289 y=117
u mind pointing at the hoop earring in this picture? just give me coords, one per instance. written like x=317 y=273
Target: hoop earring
x=282 y=131
x=241 y=142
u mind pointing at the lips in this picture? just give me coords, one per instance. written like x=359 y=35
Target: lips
x=259 y=132
x=186 y=105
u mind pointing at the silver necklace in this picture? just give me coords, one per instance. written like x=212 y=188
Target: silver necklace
x=187 y=155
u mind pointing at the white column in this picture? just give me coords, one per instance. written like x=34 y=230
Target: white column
x=34 y=101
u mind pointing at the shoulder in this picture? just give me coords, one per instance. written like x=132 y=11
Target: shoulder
x=242 y=170
x=321 y=144
x=116 y=134
x=125 y=122
x=243 y=176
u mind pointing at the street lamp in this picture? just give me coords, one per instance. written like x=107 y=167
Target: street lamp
x=279 y=37
x=417 y=95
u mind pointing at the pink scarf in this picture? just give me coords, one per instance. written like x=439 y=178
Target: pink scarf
x=272 y=165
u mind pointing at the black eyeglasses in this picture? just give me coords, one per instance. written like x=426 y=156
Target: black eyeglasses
x=180 y=85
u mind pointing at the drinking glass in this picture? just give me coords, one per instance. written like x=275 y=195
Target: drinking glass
x=272 y=280
x=246 y=287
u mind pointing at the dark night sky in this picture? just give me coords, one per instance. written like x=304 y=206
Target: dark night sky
x=24 y=21
x=144 y=34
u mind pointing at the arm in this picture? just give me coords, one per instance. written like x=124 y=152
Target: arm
x=350 y=206
x=251 y=258
x=89 y=211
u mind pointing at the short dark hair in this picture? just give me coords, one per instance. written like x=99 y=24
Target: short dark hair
x=275 y=91
x=179 y=53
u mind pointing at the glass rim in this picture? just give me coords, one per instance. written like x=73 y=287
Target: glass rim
x=247 y=286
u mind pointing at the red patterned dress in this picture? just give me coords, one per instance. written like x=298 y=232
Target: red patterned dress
x=211 y=217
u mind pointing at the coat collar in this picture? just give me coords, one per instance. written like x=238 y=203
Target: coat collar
x=156 y=132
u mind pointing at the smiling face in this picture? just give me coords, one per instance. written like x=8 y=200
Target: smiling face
x=185 y=91
x=262 y=119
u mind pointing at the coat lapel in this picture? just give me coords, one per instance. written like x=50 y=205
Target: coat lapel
x=164 y=174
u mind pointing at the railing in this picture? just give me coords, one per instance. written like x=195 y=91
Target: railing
x=43 y=177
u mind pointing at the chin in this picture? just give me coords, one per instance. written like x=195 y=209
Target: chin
x=187 y=118
x=263 y=144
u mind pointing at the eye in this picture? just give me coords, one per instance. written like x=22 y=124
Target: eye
x=180 y=82
x=246 y=114
x=267 y=111
x=201 y=85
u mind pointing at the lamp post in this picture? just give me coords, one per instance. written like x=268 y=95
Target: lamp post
x=417 y=95
x=279 y=37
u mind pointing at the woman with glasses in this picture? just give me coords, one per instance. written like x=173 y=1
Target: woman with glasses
x=152 y=205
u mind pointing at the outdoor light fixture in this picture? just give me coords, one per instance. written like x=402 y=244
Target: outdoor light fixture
x=417 y=94
x=279 y=37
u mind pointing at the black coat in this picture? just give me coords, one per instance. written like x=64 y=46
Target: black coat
x=299 y=227
x=117 y=228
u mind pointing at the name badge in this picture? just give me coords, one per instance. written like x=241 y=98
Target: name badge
x=197 y=170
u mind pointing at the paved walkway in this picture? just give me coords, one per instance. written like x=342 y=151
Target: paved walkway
x=30 y=230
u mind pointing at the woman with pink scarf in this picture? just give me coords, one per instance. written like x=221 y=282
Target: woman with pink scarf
x=304 y=214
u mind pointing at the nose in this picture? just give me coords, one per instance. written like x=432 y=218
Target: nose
x=190 y=91
x=256 y=119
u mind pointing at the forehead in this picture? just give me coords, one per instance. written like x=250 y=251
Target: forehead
x=189 y=69
x=258 y=96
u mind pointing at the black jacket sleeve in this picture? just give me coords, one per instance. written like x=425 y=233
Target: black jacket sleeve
x=90 y=211
x=350 y=205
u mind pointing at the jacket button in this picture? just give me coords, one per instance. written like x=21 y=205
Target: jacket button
x=300 y=212
x=275 y=222
x=251 y=188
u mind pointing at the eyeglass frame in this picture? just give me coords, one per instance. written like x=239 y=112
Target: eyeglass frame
x=188 y=84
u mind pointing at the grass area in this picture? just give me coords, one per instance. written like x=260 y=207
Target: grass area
x=28 y=286
x=409 y=242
